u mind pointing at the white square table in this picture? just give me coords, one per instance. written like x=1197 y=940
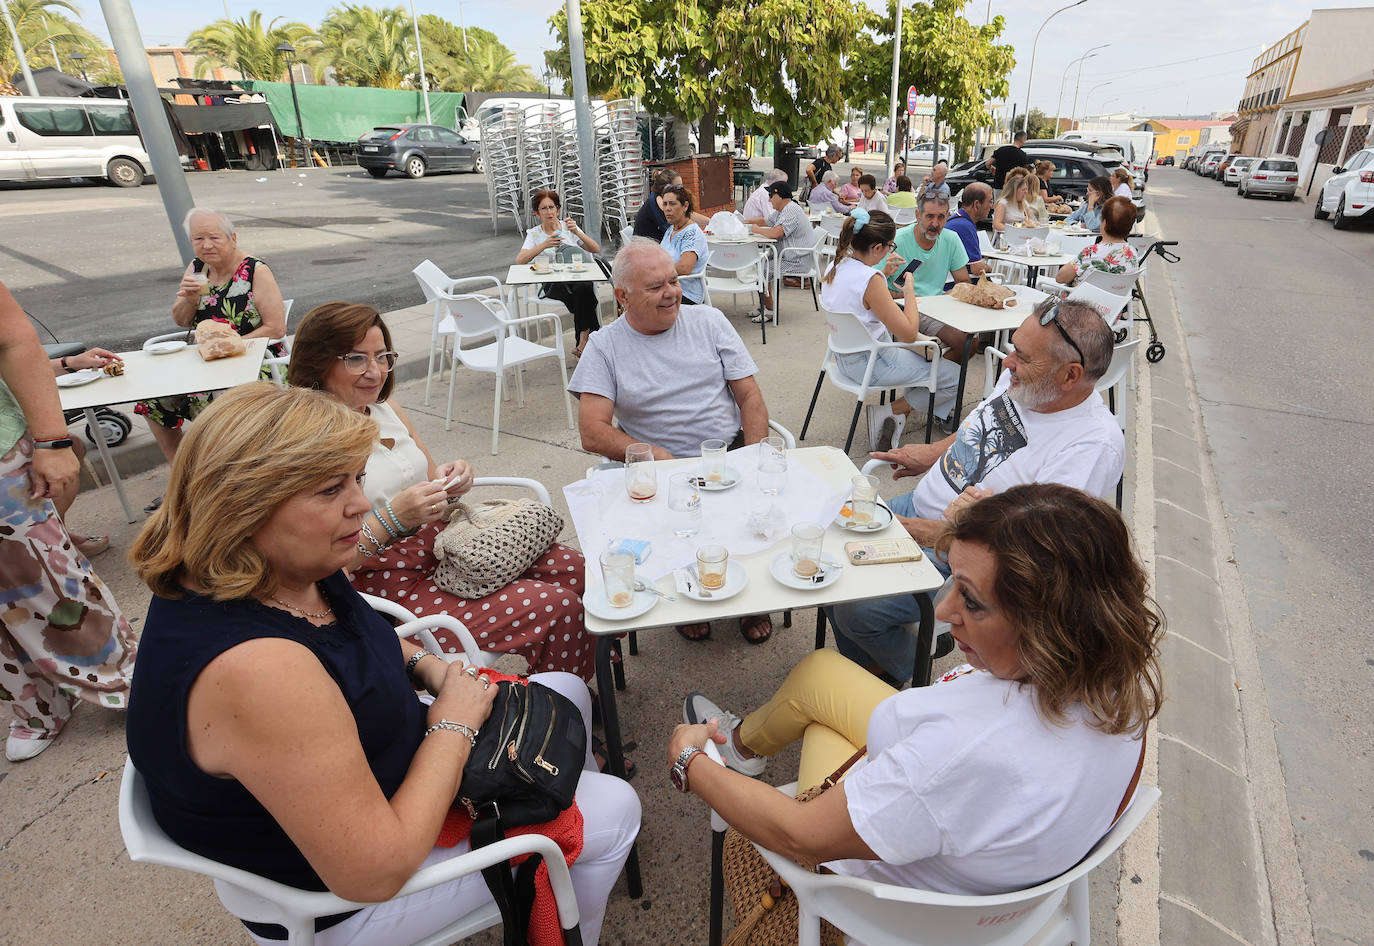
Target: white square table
x=763 y=594
x=1032 y=263
x=147 y=377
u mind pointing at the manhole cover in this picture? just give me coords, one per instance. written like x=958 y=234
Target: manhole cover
x=336 y=261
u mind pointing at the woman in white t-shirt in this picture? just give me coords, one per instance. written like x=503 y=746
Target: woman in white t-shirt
x=1013 y=208
x=1121 y=183
x=1007 y=770
x=554 y=234
x=685 y=243
x=853 y=285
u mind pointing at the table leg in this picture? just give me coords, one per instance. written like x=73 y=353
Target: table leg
x=925 y=639
x=93 y=424
x=963 y=376
x=717 y=887
x=615 y=751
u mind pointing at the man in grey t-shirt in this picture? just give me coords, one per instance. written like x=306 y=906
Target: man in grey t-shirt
x=671 y=375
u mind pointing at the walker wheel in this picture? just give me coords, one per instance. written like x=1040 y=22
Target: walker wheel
x=1154 y=354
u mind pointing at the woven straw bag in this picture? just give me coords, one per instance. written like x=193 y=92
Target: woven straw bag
x=765 y=910
x=487 y=546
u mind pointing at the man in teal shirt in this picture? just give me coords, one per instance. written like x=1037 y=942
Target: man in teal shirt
x=943 y=258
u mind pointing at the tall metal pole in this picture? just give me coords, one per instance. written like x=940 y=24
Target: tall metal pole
x=464 y=30
x=586 y=134
x=19 y=50
x=1065 y=77
x=152 y=118
x=1099 y=85
x=1025 y=119
x=424 y=82
x=892 y=106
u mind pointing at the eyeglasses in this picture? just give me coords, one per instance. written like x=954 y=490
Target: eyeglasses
x=889 y=246
x=1051 y=316
x=356 y=362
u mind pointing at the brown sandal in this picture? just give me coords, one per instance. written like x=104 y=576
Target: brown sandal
x=749 y=624
x=682 y=629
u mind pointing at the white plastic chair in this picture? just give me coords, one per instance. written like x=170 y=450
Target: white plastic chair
x=1110 y=305
x=1015 y=236
x=1053 y=913
x=257 y=899
x=1119 y=283
x=436 y=285
x=1071 y=244
x=849 y=337
x=1123 y=356
x=474 y=316
x=814 y=258
x=734 y=269
x=903 y=216
x=626 y=235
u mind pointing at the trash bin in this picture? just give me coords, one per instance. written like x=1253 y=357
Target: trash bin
x=788 y=158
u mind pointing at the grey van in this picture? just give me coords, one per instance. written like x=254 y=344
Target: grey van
x=46 y=137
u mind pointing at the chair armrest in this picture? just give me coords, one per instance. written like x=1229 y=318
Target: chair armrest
x=533 y=485
x=424 y=627
x=868 y=468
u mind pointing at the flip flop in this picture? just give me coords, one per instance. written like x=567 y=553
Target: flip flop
x=602 y=758
x=753 y=623
x=682 y=629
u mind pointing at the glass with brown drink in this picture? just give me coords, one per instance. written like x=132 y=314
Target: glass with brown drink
x=641 y=479
x=712 y=561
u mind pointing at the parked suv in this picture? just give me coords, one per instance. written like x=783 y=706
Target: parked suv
x=1348 y=193
x=1274 y=176
x=1074 y=167
x=416 y=150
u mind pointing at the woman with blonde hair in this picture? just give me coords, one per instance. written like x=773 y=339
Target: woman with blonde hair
x=1013 y=208
x=1007 y=770
x=274 y=715
x=854 y=285
x=1035 y=201
x=1045 y=171
x=1122 y=182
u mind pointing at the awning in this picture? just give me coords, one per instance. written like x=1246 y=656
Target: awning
x=199 y=119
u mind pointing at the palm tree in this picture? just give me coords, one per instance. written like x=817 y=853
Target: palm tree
x=368 y=46
x=246 y=46
x=40 y=23
x=494 y=69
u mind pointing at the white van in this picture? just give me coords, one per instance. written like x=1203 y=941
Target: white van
x=44 y=137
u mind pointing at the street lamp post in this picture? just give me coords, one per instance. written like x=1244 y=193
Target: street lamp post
x=1025 y=119
x=80 y=60
x=289 y=51
x=1086 y=97
x=19 y=49
x=1064 y=78
x=420 y=53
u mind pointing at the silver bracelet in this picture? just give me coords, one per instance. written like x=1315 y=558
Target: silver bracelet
x=451 y=726
x=377 y=544
x=415 y=658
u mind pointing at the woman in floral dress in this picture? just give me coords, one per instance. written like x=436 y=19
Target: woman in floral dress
x=1112 y=253
x=224 y=284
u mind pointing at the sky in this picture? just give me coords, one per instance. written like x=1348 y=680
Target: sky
x=1165 y=57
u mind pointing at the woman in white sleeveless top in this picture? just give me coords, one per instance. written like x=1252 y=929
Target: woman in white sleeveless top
x=853 y=284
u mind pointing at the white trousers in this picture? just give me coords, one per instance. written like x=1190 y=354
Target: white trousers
x=610 y=812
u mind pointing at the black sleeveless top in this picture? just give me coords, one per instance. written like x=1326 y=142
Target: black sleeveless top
x=217 y=817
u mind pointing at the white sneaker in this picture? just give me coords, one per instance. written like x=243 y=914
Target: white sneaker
x=698 y=709
x=878 y=414
x=19 y=749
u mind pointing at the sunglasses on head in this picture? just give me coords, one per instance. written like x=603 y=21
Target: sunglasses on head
x=1051 y=316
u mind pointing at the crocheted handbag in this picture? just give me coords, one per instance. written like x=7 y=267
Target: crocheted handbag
x=765 y=910
x=486 y=546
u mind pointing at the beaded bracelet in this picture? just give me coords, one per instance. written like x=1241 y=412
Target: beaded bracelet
x=386 y=525
x=396 y=519
x=451 y=726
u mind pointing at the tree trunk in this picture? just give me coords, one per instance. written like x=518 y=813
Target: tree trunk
x=706 y=128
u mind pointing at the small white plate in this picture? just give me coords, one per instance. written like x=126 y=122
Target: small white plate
x=730 y=481
x=736 y=578
x=164 y=348
x=594 y=603
x=781 y=570
x=78 y=378
x=881 y=517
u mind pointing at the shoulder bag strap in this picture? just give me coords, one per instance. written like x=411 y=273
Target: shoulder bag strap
x=834 y=777
x=487 y=830
x=1135 y=779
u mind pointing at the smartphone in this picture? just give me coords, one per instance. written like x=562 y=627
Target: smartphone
x=882 y=551
x=908 y=268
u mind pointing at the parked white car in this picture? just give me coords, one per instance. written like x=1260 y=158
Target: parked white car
x=1348 y=193
x=924 y=152
x=1235 y=169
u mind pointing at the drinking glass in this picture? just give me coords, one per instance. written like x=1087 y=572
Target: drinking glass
x=713 y=460
x=807 y=538
x=202 y=281
x=684 y=502
x=711 y=563
x=641 y=479
x=618 y=577
x=772 y=466
x=864 y=498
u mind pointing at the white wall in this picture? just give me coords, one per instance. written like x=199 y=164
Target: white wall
x=1337 y=47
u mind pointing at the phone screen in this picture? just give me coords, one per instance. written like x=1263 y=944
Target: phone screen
x=909 y=268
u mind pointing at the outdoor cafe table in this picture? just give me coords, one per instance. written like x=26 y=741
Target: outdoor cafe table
x=598 y=505
x=147 y=377
x=973 y=320
x=1033 y=263
x=524 y=275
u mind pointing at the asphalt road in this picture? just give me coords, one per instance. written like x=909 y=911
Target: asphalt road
x=99 y=264
x=1276 y=306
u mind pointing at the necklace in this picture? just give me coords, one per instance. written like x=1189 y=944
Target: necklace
x=328 y=610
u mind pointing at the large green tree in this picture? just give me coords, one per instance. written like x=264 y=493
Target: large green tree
x=481 y=64
x=368 y=46
x=943 y=55
x=43 y=25
x=774 y=65
x=248 y=46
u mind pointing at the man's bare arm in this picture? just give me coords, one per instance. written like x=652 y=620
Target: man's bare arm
x=596 y=422
x=753 y=411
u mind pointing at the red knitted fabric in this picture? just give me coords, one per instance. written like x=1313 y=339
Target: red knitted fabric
x=566 y=832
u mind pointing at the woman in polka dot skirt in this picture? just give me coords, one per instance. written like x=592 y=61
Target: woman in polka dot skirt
x=345 y=349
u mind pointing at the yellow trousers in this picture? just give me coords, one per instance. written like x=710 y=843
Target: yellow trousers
x=826 y=702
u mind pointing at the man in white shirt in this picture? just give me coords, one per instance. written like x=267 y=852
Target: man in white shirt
x=758 y=206
x=671 y=375
x=791 y=227
x=1043 y=423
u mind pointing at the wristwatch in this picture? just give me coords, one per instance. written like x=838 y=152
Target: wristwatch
x=678 y=773
x=61 y=443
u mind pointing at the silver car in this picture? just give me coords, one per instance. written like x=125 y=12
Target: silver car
x=1274 y=176
x=1234 y=169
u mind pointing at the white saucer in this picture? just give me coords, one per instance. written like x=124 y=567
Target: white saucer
x=78 y=378
x=732 y=478
x=881 y=517
x=736 y=578
x=781 y=570
x=164 y=348
x=594 y=603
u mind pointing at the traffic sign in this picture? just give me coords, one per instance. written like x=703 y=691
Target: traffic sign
x=911 y=100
